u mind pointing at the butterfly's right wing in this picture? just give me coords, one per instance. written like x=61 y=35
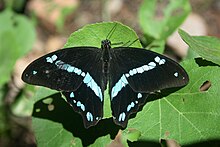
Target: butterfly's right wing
x=134 y=74
x=77 y=73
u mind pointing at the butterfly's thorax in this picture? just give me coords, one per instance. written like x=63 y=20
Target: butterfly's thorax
x=106 y=56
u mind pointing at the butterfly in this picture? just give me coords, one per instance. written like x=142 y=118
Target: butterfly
x=82 y=74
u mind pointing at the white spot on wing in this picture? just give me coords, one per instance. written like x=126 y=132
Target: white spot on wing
x=78 y=104
x=157 y=59
x=87 y=78
x=145 y=67
x=121 y=117
x=72 y=95
x=83 y=74
x=131 y=73
x=140 y=70
x=82 y=107
x=34 y=72
x=51 y=59
x=176 y=74
x=70 y=69
x=139 y=95
x=54 y=57
x=131 y=105
x=134 y=71
x=89 y=116
x=151 y=65
x=162 y=61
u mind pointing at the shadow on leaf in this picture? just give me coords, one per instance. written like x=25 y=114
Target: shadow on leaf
x=72 y=122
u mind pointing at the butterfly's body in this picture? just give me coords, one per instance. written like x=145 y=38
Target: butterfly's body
x=82 y=75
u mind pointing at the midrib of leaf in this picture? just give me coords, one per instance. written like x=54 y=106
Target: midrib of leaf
x=57 y=134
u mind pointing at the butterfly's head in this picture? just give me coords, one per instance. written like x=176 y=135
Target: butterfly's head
x=106 y=44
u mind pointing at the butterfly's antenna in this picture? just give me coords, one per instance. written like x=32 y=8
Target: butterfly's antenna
x=127 y=44
x=111 y=32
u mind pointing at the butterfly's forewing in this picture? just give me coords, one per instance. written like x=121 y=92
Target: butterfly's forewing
x=141 y=72
x=61 y=70
x=77 y=73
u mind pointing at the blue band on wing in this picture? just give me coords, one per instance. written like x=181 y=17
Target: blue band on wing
x=88 y=80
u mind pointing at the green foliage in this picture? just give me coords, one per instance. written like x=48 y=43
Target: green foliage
x=175 y=114
x=160 y=27
x=207 y=47
x=16 y=36
x=187 y=115
x=180 y=115
x=90 y=35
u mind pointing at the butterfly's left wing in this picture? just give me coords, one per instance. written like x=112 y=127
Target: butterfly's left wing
x=77 y=73
x=134 y=74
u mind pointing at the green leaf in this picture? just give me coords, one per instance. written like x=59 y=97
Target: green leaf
x=50 y=105
x=53 y=134
x=93 y=34
x=172 y=17
x=17 y=36
x=207 y=47
x=157 y=46
x=23 y=106
x=180 y=115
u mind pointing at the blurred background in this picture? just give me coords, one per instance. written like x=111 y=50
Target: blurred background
x=31 y=28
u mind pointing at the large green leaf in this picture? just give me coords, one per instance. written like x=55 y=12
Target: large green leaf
x=188 y=115
x=176 y=115
x=90 y=35
x=17 y=35
x=170 y=18
x=207 y=47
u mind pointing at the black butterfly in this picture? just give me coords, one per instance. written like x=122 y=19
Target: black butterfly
x=82 y=75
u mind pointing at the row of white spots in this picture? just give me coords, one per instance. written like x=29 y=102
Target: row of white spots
x=61 y=65
x=89 y=115
x=118 y=86
x=122 y=117
x=78 y=103
x=51 y=59
x=132 y=104
x=88 y=80
x=141 y=69
x=123 y=81
x=159 y=61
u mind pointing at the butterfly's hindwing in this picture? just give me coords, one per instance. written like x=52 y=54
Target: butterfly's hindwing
x=125 y=103
x=85 y=101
